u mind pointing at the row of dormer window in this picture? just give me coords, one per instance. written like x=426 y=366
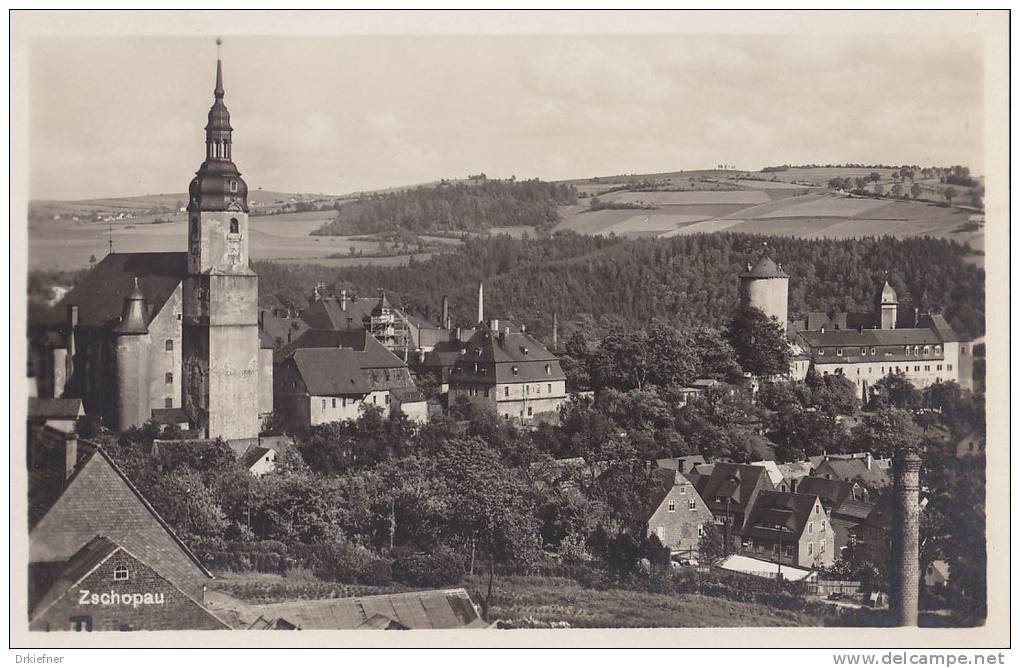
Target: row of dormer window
x=907 y=350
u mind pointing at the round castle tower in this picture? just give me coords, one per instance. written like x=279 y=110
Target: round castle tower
x=766 y=287
x=132 y=357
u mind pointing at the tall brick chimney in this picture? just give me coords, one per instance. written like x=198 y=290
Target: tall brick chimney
x=905 y=525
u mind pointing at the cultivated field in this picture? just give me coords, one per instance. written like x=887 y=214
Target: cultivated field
x=690 y=197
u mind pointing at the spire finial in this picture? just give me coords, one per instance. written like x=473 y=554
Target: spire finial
x=218 y=92
x=136 y=281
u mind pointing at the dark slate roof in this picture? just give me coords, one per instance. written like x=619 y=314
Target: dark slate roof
x=872 y=337
x=684 y=464
x=833 y=493
x=276 y=327
x=100 y=293
x=433 y=609
x=739 y=482
x=169 y=415
x=83 y=562
x=765 y=268
x=328 y=313
x=376 y=355
x=101 y=498
x=503 y=352
x=854 y=469
x=342 y=371
x=788 y=510
x=253 y=455
x=444 y=354
x=939 y=325
x=53 y=409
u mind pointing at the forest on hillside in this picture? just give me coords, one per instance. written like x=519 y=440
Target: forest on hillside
x=688 y=280
x=449 y=207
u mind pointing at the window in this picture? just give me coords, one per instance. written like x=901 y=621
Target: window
x=811 y=527
x=169 y=378
x=938 y=367
x=548 y=387
x=120 y=573
x=233 y=185
x=529 y=411
x=817 y=509
x=927 y=350
x=388 y=397
x=81 y=623
x=169 y=345
x=334 y=403
x=864 y=351
x=343 y=402
x=789 y=550
x=672 y=506
x=235 y=227
x=514 y=370
x=927 y=367
x=821 y=351
x=839 y=352
x=872 y=351
x=906 y=350
x=823 y=527
x=701 y=531
x=691 y=505
x=938 y=350
x=810 y=548
x=548 y=369
x=821 y=547
x=949 y=367
x=323 y=404
x=917 y=367
x=168 y=403
x=506 y=390
x=683 y=490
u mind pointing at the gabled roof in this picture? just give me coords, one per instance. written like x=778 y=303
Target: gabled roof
x=333 y=313
x=787 y=510
x=54 y=409
x=170 y=416
x=254 y=455
x=343 y=371
x=100 y=498
x=833 y=493
x=738 y=482
x=854 y=469
x=939 y=325
x=100 y=293
x=81 y=563
x=375 y=354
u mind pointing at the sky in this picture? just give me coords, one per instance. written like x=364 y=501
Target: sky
x=122 y=116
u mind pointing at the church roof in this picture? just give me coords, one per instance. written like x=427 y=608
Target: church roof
x=765 y=268
x=100 y=294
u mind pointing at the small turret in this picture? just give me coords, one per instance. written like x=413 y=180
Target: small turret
x=134 y=316
x=888 y=304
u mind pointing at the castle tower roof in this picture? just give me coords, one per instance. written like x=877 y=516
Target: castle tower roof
x=133 y=317
x=888 y=295
x=764 y=268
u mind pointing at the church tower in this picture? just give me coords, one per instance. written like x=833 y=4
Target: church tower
x=220 y=313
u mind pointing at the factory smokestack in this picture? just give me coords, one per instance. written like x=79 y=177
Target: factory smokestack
x=481 y=309
x=556 y=332
x=446 y=313
x=905 y=526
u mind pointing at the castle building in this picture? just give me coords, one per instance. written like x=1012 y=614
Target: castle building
x=864 y=347
x=148 y=331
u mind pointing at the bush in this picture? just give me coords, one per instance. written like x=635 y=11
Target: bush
x=439 y=568
x=344 y=562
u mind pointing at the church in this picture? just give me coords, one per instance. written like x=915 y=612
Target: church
x=146 y=333
x=864 y=347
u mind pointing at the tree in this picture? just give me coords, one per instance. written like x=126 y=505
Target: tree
x=759 y=342
x=837 y=395
x=949 y=193
x=897 y=190
x=874 y=176
x=886 y=431
x=896 y=390
x=915 y=190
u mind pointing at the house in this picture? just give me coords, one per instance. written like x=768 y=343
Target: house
x=429 y=609
x=674 y=511
x=510 y=372
x=848 y=504
x=874 y=474
x=259 y=460
x=62 y=414
x=171 y=417
x=791 y=528
x=793 y=472
x=75 y=493
x=776 y=476
x=729 y=490
x=936 y=575
x=329 y=375
x=972 y=444
x=104 y=587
